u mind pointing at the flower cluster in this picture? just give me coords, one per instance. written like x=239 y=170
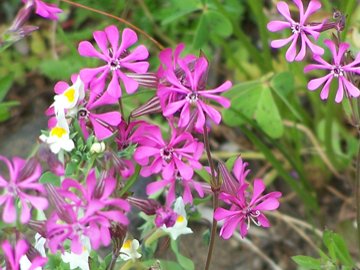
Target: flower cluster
x=244 y=207
x=341 y=69
x=91 y=149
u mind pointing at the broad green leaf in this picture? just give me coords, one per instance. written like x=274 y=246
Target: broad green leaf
x=50 y=178
x=307 y=262
x=5 y=84
x=256 y=102
x=337 y=247
x=245 y=100
x=218 y=23
x=185 y=262
x=201 y=33
x=267 y=115
x=283 y=83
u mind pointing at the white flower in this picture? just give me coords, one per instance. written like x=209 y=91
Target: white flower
x=69 y=99
x=129 y=250
x=59 y=137
x=79 y=260
x=180 y=227
x=25 y=263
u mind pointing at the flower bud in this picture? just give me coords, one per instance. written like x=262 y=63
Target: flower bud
x=148 y=206
x=150 y=107
x=97 y=148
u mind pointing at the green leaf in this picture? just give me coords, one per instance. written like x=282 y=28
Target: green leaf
x=214 y=21
x=256 y=102
x=307 y=262
x=268 y=116
x=201 y=33
x=337 y=247
x=218 y=23
x=283 y=84
x=185 y=262
x=5 y=84
x=50 y=178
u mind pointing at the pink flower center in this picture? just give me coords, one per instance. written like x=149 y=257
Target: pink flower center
x=166 y=153
x=192 y=98
x=296 y=28
x=251 y=215
x=337 y=71
x=114 y=64
x=13 y=189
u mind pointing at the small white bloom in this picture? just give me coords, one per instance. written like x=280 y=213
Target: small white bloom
x=69 y=98
x=79 y=260
x=25 y=263
x=97 y=148
x=129 y=250
x=180 y=227
x=59 y=137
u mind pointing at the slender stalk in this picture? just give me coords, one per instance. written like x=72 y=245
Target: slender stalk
x=357 y=195
x=215 y=186
x=161 y=47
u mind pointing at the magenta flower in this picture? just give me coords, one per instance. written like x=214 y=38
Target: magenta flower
x=118 y=59
x=13 y=255
x=181 y=153
x=48 y=11
x=165 y=216
x=103 y=124
x=171 y=183
x=338 y=70
x=301 y=30
x=182 y=88
x=244 y=208
x=90 y=212
x=23 y=178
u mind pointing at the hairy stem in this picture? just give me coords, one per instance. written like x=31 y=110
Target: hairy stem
x=161 y=47
x=215 y=186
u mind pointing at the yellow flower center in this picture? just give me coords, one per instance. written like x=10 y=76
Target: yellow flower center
x=127 y=244
x=58 y=131
x=70 y=94
x=180 y=219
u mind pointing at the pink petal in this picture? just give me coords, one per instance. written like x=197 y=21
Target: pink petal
x=283 y=9
x=101 y=41
x=291 y=52
x=129 y=38
x=275 y=26
x=88 y=50
x=313 y=6
x=325 y=91
x=9 y=212
x=114 y=89
x=130 y=84
x=316 y=83
x=278 y=43
x=259 y=188
x=352 y=90
x=139 y=53
x=340 y=92
x=112 y=34
x=156 y=186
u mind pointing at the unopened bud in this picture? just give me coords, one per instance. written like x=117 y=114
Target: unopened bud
x=148 y=206
x=150 y=107
x=97 y=148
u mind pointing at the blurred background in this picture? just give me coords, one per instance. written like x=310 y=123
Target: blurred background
x=302 y=146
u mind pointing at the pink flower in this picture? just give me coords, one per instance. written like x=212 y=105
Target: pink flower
x=181 y=153
x=23 y=178
x=90 y=212
x=13 y=255
x=301 y=30
x=103 y=124
x=48 y=11
x=338 y=70
x=165 y=216
x=171 y=183
x=118 y=59
x=244 y=208
x=182 y=88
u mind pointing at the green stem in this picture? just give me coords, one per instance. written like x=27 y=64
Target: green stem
x=130 y=182
x=357 y=195
x=215 y=186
